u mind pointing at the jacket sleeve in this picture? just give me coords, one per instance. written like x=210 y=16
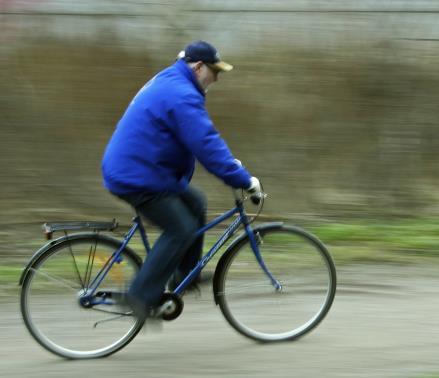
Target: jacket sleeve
x=195 y=130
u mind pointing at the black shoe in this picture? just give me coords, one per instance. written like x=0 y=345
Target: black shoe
x=139 y=309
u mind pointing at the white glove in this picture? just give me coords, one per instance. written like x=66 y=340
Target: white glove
x=255 y=185
x=255 y=190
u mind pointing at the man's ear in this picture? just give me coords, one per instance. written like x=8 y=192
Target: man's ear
x=198 y=65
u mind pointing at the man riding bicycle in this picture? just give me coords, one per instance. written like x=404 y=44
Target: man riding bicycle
x=150 y=161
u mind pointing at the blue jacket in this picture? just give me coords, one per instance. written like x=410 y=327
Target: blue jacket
x=164 y=129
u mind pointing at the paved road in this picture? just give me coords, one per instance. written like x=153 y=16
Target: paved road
x=384 y=323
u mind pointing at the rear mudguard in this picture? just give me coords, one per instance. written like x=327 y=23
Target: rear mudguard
x=235 y=244
x=37 y=255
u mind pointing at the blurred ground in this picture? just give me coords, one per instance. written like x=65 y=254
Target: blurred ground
x=383 y=324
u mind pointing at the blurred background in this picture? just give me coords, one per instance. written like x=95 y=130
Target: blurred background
x=333 y=104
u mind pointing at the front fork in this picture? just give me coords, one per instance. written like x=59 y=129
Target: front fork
x=255 y=241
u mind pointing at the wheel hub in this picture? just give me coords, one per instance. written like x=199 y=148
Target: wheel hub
x=85 y=299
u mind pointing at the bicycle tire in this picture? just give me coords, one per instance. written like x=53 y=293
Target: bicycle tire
x=49 y=299
x=247 y=297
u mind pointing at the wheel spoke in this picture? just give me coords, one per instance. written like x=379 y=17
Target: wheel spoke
x=76 y=265
x=89 y=267
x=62 y=281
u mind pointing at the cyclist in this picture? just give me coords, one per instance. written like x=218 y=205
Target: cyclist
x=149 y=162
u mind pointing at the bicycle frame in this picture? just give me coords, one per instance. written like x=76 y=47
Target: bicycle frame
x=230 y=230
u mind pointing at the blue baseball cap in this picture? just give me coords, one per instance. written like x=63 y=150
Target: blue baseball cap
x=202 y=51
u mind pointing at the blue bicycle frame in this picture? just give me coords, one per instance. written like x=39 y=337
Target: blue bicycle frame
x=230 y=230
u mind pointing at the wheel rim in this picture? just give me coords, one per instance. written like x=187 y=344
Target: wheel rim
x=250 y=301
x=50 y=300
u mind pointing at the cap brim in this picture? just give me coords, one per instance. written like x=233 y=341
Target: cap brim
x=222 y=66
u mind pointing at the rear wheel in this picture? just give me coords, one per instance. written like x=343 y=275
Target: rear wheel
x=248 y=298
x=54 y=285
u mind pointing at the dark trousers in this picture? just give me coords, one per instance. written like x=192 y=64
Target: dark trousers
x=177 y=250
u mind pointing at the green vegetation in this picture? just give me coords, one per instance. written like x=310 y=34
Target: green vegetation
x=10 y=273
x=9 y=276
x=401 y=241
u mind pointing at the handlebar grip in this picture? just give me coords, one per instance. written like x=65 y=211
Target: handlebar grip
x=256 y=199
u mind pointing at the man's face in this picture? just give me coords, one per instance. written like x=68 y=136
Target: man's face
x=205 y=75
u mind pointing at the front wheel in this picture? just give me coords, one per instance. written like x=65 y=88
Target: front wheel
x=249 y=299
x=51 y=294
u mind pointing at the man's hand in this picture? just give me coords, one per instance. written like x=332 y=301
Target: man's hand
x=255 y=191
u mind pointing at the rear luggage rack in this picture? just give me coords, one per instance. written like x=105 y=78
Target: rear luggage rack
x=50 y=228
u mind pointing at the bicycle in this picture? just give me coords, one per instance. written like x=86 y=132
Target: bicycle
x=273 y=282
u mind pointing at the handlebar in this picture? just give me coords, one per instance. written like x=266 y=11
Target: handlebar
x=241 y=195
x=257 y=198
